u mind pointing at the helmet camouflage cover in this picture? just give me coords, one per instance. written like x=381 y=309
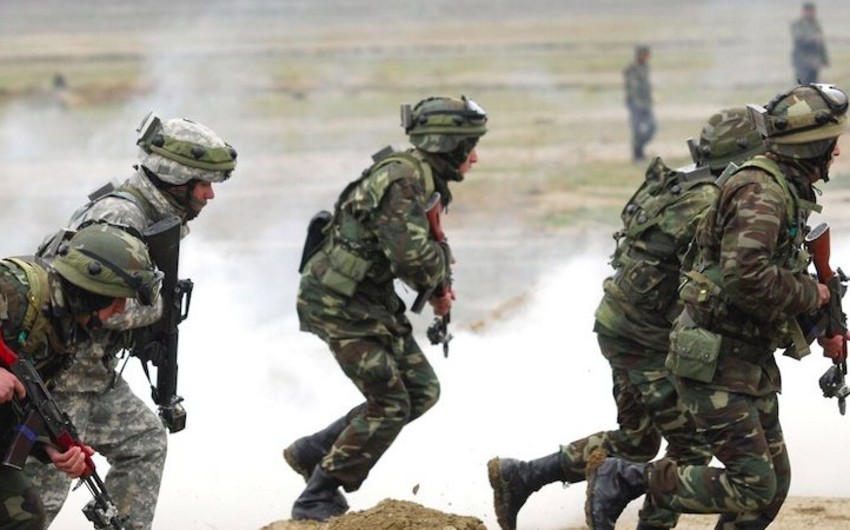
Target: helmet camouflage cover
x=728 y=136
x=803 y=122
x=108 y=261
x=439 y=124
x=179 y=150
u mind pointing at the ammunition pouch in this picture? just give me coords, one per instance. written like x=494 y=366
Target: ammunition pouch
x=646 y=282
x=693 y=353
x=704 y=298
x=345 y=270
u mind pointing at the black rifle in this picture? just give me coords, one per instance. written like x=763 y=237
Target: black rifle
x=42 y=421
x=157 y=343
x=832 y=383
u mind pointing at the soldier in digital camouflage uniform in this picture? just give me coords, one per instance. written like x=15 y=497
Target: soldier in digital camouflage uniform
x=46 y=308
x=742 y=299
x=639 y=102
x=180 y=160
x=379 y=233
x=633 y=323
x=809 y=52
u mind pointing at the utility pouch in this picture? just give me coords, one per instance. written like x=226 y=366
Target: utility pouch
x=315 y=236
x=345 y=270
x=693 y=353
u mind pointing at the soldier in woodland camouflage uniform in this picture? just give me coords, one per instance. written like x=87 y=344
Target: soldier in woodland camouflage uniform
x=179 y=162
x=379 y=232
x=639 y=102
x=45 y=310
x=633 y=323
x=809 y=53
x=742 y=299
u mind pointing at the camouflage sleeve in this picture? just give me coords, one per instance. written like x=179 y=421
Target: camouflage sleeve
x=404 y=237
x=752 y=217
x=124 y=213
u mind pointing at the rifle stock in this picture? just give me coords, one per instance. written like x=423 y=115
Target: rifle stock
x=44 y=422
x=832 y=383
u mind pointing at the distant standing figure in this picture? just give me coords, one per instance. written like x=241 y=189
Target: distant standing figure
x=809 y=54
x=639 y=101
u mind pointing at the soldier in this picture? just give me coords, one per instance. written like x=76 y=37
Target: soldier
x=379 y=232
x=633 y=323
x=809 y=53
x=639 y=101
x=96 y=270
x=180 y=160
x=741 y=300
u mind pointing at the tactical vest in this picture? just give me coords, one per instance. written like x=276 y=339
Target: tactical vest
x=702 y=287
x=38 y=337
x=50 y=246
x=646 y=258
x=351 y=246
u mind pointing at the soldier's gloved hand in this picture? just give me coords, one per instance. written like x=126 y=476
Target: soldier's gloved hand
x=442 y=303
x=10 y=386
x=72 y=462
x=833 y=347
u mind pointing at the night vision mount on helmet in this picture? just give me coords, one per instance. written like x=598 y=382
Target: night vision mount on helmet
x=108 y=261
x=179 y=150
x=804 y=122
x=440 y=124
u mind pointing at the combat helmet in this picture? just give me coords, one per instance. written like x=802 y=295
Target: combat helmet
x=105 y=260
x=728 y=136
x=441 y=124
x=804 y=122
x=179 y=150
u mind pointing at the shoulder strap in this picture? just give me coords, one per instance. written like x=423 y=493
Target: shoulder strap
x=37 y=297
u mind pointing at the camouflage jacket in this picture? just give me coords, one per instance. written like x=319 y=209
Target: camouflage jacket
x=638 y=87
x=809 y=47
x=138 y=207
x=640 y=300
x=751 y=250
x=379 y=233
x=35 y=321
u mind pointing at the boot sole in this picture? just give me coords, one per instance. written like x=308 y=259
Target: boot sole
x=295 y=464
x=500 y=496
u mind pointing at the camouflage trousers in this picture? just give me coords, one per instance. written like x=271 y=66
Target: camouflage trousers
x=20 y=505
x=745 y=435
x=647 y=410
x=398 y=384
x=122 y=428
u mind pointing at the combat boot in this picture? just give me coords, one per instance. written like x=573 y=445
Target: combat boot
x=513 y=481
x=610 y=488
x=305 y=453
x=729 y=521
x=646 y=526
x=320 y=500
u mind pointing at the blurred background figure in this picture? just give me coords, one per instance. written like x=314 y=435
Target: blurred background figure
x=639 y=101
x=809 y=54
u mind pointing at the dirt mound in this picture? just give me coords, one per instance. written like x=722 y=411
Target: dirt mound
x=388 y=514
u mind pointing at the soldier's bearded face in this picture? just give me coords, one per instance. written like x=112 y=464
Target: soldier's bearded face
x=202 y=192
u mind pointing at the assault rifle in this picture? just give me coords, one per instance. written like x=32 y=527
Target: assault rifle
x=438 y=331
x=832 y=383
x=157 y=343
x=41 y=420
